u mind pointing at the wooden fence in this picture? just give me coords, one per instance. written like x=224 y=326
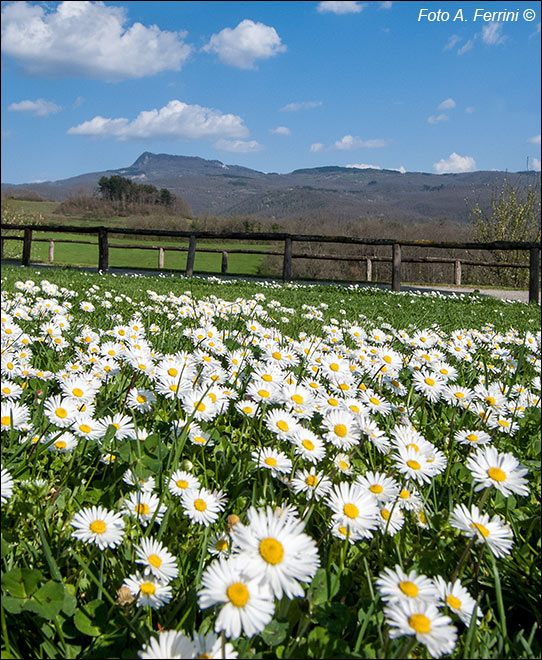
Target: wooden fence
x=287 y=254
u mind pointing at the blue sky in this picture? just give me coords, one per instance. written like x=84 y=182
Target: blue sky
x=274 y=86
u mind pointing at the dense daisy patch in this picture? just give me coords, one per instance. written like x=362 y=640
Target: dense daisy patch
x=196 y=476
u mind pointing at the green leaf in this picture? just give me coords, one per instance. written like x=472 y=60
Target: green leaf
x=21 y=582
x=275 y=633
x=48 y=600
x=91 y=619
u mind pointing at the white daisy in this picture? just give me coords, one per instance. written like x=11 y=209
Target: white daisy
x=201 y=505
x=457 y=599
x=396 y=585
x=247 y=603
x=149 y=590
x=495 y=532
x=156 y=559
x=503 y=471
x=274 y=546
x=99 y=526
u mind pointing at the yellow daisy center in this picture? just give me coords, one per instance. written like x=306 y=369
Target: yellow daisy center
x=311 y=480
x=98 y=527
x=420 y=623
x=141 y=398
x=270 y=461
x=181 y=483
x=147 y=588
x=221 y=545
x=77 y=392
x=385 y=514
x=340 y=430
x=60 y=412
x=263 y=393
x=453 y=602
x=60 y=444
x=142 y=508
x=484 y=531
x=238 y=594
x=376 y=489
x=297 y=398
x=85 y=428
x=351 y=510
x=200 y=505
x=404 y=494
x=277 y=355
x=282 y=425
x=271 y=550
x=496 y=474
x=409 y=588
x=472 y=437
x=413 y=465
x=155 y=561
x=308 y=445
x=429 y=381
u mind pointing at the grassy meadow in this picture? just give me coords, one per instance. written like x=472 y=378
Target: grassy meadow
x=204 y=468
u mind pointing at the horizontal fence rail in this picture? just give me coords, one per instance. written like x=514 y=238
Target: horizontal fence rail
x=104 y=245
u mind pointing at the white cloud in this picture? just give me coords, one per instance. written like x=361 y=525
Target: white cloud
x=238 y=146
x=455 y=164
x=244 y=44
x=470 y=109
x=87 y=40
x=436 y=119
x=350 y=142
x=302 y=105
x=39 y=107
x=281 y=130
x=534 y=140
x=447 y=104
x=364 y=166
x=316 y=147
x=492 y=34
x=174 y=120
x=466 y=47
x=535 y=164
x=341 y=7
x=453 y=40
x=385 y=5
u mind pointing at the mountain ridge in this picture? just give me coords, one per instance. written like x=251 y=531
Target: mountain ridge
x=213 y=188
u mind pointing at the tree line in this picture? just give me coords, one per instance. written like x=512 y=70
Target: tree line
x=119 y=189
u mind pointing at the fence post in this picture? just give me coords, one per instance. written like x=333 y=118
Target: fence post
x=457 y=273
x=160 y=258
x=396 y=268
x=103 y=249
x=224 y=267
x=51 y=251
x=369 y=269
x=287 y=263
x=534 y=275
x=191 y=256
x=27 y=246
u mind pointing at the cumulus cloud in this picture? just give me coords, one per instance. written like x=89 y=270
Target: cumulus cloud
x=535 y=164
x=87 y=40
x=436 y=119
x=350 y=142
x=316 y=147
x=39 y=107
x=447 y=104
x=492 y=34
x=455 y=164
x=281 y=130
x=534 y=140
x=301 y=105
x=176 y=120
x=248 y=42
x=238 y=146
x=364 y=166
x=342 y=7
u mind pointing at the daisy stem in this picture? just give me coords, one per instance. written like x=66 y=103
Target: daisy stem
x=101 y=578
x=407 y=648
x=498 y=592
